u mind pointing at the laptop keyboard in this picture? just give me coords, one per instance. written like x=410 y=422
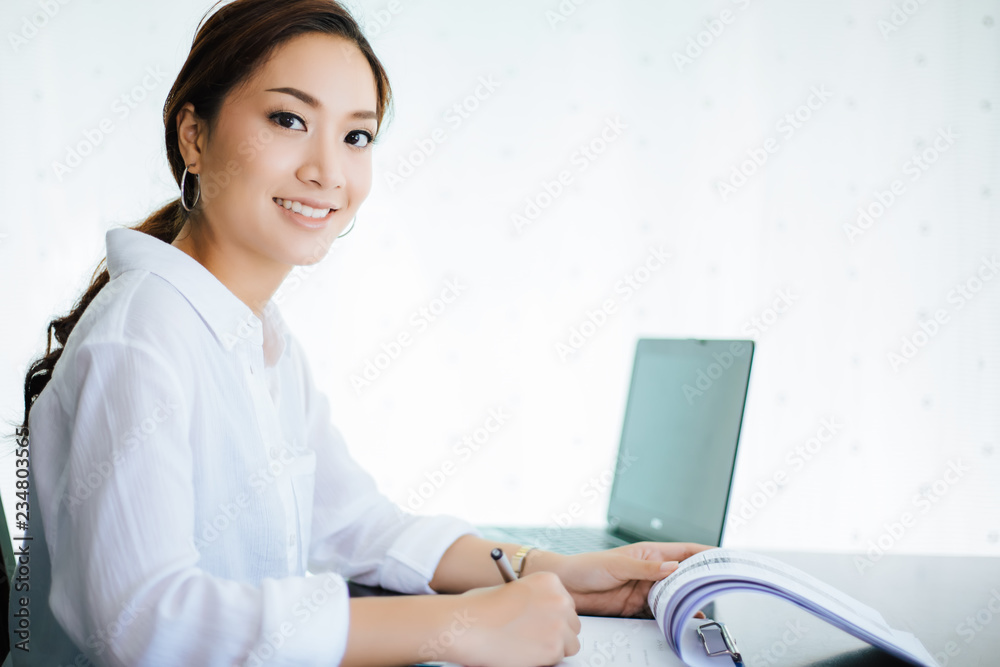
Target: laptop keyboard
x=560 y=540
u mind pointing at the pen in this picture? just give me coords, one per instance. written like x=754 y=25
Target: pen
x=503 y=565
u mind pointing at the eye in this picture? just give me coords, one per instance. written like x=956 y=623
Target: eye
x=287 y=120
x=364 y=138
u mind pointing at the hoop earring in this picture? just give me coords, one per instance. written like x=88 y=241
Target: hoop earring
x=183 y=197
x=349 y=228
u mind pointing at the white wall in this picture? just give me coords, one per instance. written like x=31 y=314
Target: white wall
x=684 y=128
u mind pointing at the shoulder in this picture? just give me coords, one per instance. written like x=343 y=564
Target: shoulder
x=141 y=313
x=141 y=307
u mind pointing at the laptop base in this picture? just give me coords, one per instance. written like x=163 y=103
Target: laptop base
x=570 y=540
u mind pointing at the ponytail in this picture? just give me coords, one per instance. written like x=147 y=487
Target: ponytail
x=164 y=224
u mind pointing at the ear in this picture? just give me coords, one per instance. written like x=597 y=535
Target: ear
x=192 y=133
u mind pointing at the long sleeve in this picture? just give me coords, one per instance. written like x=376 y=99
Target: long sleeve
x=356 y=530
x=118 y=509
x=185 y=480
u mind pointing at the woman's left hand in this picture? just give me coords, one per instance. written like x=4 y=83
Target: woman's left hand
x=615 y=582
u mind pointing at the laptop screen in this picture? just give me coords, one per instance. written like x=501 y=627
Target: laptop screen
x=679 y=437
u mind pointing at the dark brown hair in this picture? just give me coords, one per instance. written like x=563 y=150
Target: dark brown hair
x=228 y=48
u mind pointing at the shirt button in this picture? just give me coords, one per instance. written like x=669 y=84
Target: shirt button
x=273 y=452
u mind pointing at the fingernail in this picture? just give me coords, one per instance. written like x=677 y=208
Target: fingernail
x=668 y=565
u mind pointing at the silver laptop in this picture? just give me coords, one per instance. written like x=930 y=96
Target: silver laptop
x=677 y=454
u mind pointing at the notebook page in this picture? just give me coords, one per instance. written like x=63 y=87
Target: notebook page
x=617 y=642
x=675 y=598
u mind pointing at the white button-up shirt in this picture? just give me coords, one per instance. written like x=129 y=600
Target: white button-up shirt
x=185 y=476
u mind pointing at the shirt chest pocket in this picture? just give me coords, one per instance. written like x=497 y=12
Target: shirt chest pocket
x=301 y=471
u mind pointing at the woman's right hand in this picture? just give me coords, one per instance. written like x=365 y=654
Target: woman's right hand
x=524 y=623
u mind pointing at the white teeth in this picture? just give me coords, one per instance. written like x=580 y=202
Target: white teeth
x=299 y=207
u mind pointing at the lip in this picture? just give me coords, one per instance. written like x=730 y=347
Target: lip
x=313 y=203
x=306 y=221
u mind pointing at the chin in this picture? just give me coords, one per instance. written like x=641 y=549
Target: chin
x=312 y=253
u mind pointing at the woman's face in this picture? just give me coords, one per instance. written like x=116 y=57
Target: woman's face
x=297 y=134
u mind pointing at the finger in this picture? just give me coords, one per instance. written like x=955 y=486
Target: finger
x=630 y=569
x=571 y=643
x=692 y=548
x=575 y=624
x=668 y=567
x=672 y=550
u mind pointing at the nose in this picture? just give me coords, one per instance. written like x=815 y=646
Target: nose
x=324 y=164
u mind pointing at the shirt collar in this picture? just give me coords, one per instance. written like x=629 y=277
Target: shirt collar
x=230 y=320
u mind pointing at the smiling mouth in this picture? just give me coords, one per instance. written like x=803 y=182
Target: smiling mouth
x=302 y=209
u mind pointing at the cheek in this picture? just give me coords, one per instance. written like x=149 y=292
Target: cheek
x=253 y=151
x=244 y=146
x=263 y=157
x=361 y=181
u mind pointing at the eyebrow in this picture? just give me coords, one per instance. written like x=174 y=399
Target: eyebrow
x=313 y=102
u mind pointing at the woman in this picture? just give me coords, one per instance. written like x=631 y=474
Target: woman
x=185 y=476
